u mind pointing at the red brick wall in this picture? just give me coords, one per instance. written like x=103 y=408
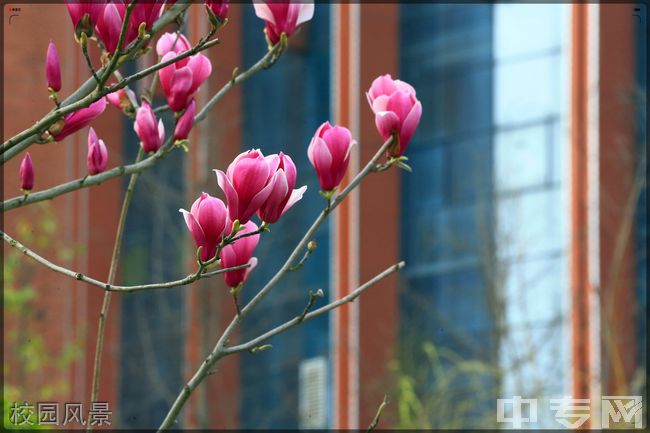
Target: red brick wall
x=65 y=309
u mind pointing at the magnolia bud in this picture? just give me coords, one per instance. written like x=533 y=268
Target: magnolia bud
x=26 y=173
x=53 y=68
x=329 y=153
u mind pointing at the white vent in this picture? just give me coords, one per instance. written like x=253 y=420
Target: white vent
x=312 y=393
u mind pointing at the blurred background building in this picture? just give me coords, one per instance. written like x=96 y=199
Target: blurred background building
x=523 y=224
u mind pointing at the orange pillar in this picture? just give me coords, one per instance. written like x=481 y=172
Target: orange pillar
x=579 y=278
x=345 y=76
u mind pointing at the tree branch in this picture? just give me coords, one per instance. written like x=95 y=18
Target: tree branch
x=298 y=320
x=111 y=287
x=380 y=409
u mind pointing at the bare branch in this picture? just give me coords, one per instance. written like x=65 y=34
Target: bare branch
x=329 y=307
x=111 y=287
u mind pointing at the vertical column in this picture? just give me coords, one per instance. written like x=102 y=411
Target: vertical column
x=578 y=193
x=379 y=212
x=345 y=230
x=593 y=375
x=620 y=178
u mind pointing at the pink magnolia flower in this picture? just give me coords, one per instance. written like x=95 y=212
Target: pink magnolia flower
x=185 y=122
x=122 y=98
x=283 y=17
x=282 y=195
x=97 y=154
x=53 y=68
x=172 y=42
x=329 y=153
x=182 y=79
x=84 y=15
x=397 y=110
x=109 y=25
x=26 y=173
x=239 y=253
x=109 y=21
x=206 y=221
x=150 y=132
x=246 y=184
x=79 y=119
x=218 y=8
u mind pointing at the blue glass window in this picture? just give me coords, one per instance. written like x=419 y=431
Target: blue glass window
x=446 y=54
x=283 y=106
x=152 y=323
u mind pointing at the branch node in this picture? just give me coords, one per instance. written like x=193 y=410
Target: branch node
x=261 y=348
x=312 y=299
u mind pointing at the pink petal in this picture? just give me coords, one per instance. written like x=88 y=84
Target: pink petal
x=296 y=195
x=400 y=103
x=306 y=13
x=255 y=203
x=165 y=74
x=180 y=89
x=170 y=42
x=194 y=210
x=194 y=227
x=263 y=11
x=250 y=175
x=252 y=262
x=289 y=168
x=271 y=210
x=380 y=103
x=212 y=218
x=161 y=132
x=409 y=126
x=201 y=68
x=231 y=194
x=387 y=122
x=111 y=25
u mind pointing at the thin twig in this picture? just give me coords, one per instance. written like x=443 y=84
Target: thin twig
x=312 y=299
x=311 y=247
x=117 y=247
x=86 y=181
x=265 y=62
x=111 y=287
x=161 y=109
x=375 y=420
x=129 y=95
x=89 y=62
